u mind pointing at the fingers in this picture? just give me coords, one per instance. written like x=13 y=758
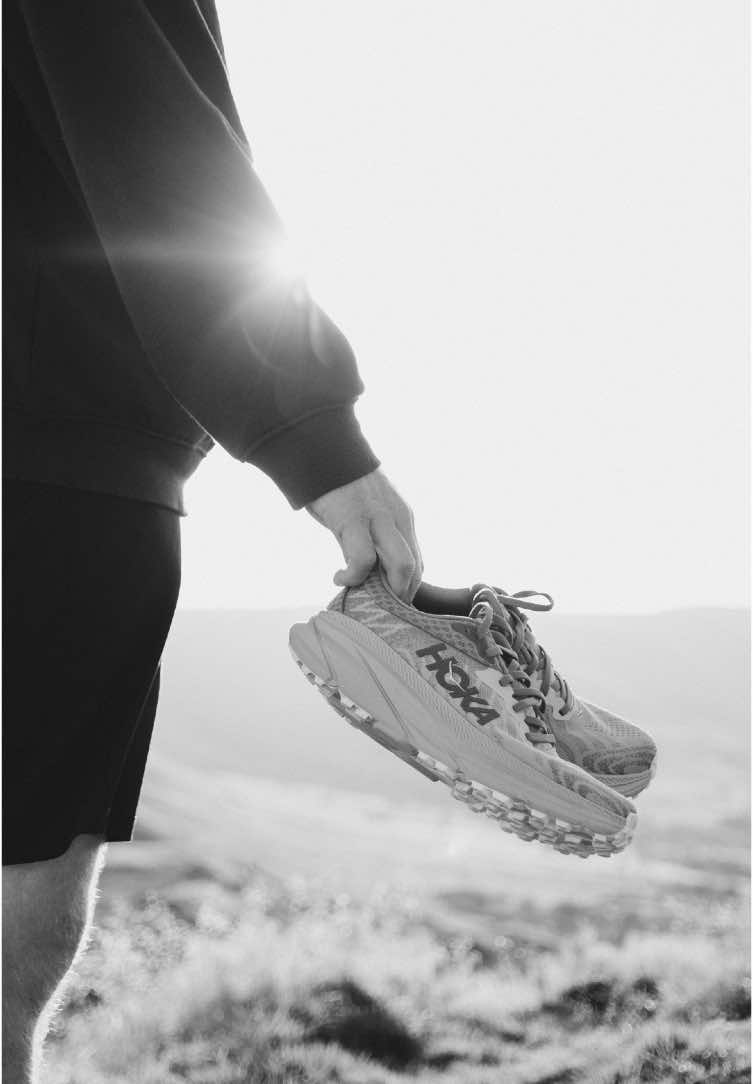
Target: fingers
x=401 y=562
x=363 y=542
x=415 y=582
x=371 y=521
x=359 y=552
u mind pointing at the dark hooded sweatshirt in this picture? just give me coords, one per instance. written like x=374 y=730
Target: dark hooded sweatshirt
x=141 y=320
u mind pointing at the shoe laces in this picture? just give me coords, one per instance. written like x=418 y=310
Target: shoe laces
x=509 y=617
x=497 y=647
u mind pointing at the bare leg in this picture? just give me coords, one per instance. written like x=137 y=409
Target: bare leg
x=47 y=909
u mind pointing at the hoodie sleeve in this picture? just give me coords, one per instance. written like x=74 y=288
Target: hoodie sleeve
x=188 y=230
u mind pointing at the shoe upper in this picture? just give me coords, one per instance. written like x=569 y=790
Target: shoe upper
x=503 y=665
x=481 y=675
x=603 y=743
x=596 y=739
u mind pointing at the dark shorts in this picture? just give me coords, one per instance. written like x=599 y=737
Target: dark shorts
x=90 y=584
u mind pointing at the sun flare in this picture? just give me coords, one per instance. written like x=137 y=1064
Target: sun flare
x=284 y=262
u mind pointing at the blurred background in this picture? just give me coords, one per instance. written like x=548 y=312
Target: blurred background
x=531 y=221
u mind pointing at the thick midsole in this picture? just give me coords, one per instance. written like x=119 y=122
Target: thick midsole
x=359 y=663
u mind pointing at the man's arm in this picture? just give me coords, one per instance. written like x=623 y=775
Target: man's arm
x=187 y=229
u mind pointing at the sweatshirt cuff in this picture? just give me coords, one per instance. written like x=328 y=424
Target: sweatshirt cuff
x=316 y=454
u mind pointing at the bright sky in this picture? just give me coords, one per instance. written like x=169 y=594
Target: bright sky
x=530 y=219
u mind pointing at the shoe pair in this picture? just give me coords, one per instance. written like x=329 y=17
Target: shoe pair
x=458 y=687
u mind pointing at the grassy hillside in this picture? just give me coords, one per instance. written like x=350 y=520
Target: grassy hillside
x=256 y=983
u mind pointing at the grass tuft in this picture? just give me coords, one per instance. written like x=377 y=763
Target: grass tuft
x=606 y=1002
x=342 y=1012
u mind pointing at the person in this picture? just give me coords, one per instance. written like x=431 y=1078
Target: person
x=143 y=322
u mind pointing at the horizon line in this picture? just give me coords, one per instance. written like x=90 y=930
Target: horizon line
x=315 y=608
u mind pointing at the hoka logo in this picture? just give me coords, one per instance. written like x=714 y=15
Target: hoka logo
x=452 y=677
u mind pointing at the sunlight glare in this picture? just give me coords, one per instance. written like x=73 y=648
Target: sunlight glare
x=284 y=262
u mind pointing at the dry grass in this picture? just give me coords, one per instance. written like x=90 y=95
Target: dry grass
x=221 y=986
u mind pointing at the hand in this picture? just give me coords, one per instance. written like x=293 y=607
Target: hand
x=371 y=521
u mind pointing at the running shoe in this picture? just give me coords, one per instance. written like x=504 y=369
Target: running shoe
x=438 y=684
x=605 y=745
